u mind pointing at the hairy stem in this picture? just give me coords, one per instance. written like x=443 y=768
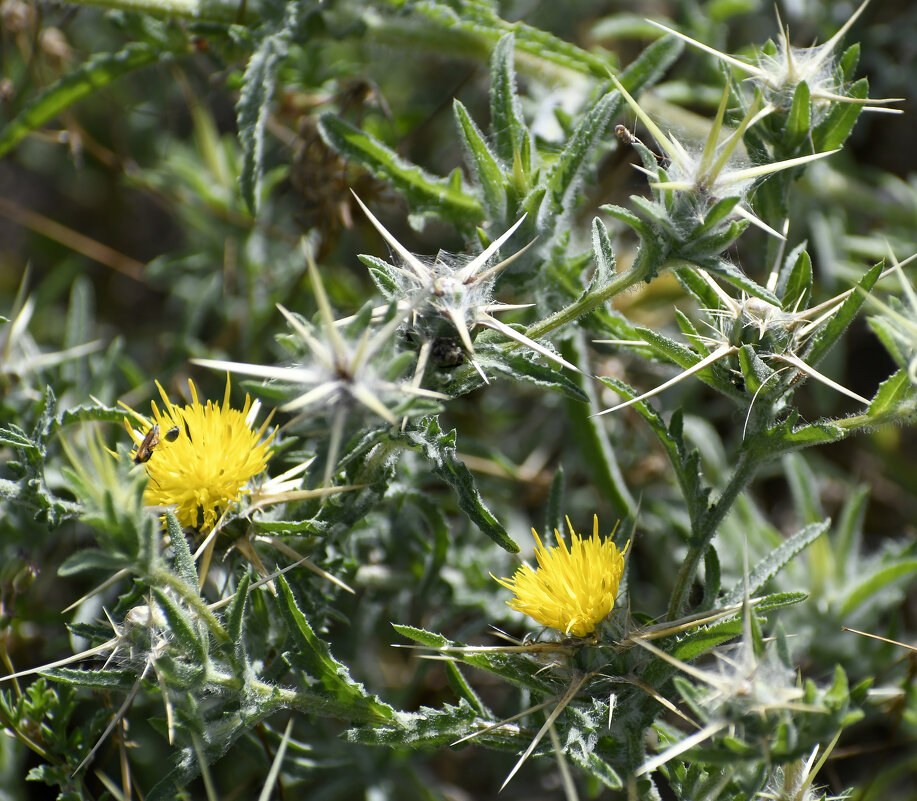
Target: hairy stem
x=705 y=529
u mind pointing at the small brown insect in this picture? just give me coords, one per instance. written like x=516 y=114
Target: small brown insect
x=172 y=434
x=150 y=441
x=624 y=134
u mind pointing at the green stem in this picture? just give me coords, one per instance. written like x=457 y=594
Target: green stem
x=705 y=529
x=590 y=301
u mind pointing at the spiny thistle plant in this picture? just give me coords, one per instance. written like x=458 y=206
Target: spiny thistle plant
x=409 y=339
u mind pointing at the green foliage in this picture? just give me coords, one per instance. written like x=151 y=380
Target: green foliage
x=666 y=347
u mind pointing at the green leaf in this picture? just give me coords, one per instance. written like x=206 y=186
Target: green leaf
x=334 y=677
x=425 y=193
x=595 y=766
x=526 y=366
x=832 y=131
x=187 y=570
x=592 y=440
x=464 y=691
x=826 y=337
x=486 y=168
x=517 y=669
x=651 y=64
x=605 y=264
x=776 y=560
x=804 y=487
x=848 y=533
x=439 y=449
x=875 y=583
x=797 y=290
x=798 y=121
x=235 y=618
x=190 y=636
x=562 y=180
x=94 y=679
x=506 y=120
x=93 y=559
x=253 y=111
x=15 y=437
x=97 y=72
x=429 y=728
x=892 y=391
x=783 y=437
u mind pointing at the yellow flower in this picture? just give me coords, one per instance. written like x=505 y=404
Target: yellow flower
x=204 y=456
x=573 y=588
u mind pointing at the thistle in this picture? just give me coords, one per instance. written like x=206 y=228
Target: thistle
x=716 y=173
x=342 y=373
x=573 y=589
x=779 y=73
x=208 y=465
x=456 y=291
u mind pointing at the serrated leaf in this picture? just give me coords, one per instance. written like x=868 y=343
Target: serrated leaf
x=427 y=727
x=524 y=365
x=98 y=71
x=439 y=449
x=424 y=192
x=517 y=669
x=605 y=264
x=184 y=562
x=253 y=111
x=776 y=560
x=563 y=178
x=333 y=675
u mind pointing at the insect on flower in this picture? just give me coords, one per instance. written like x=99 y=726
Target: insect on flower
x=150 y=441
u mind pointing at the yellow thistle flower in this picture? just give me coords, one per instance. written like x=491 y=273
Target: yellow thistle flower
x=204 y=456
x=573 y=588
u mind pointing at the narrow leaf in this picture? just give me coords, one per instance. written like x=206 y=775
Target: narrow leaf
x=440 y=451
x=424 y=192
x=99 y=71
x=253 y=110
x=775 y=561
x=486 y=168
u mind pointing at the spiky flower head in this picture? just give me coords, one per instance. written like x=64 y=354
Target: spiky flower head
x=717 y=171
x=454 y=289
x=205 y=457
x=782 y=68
x=574 y=588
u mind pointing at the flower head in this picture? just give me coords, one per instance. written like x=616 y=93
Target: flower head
x=573 y=588
x=454 y=289
x=778 y=73
x=205 y=456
